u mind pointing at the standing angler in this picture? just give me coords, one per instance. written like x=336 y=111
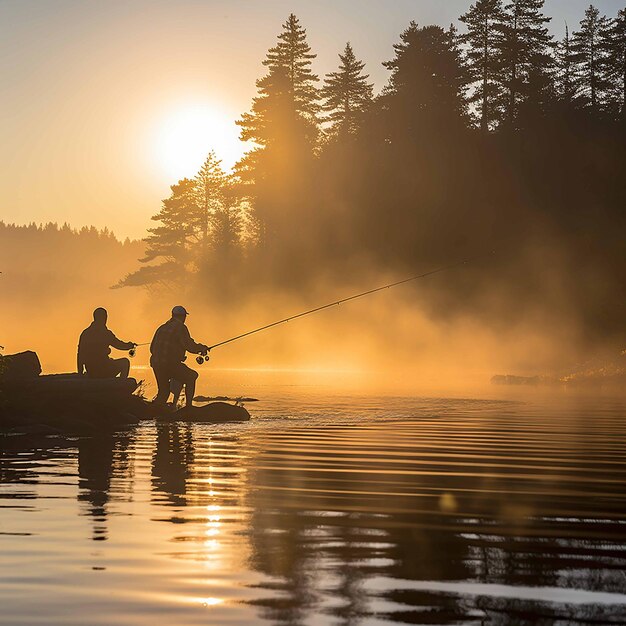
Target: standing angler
x=94 y=348
x=170 y=343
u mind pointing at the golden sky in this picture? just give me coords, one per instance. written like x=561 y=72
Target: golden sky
x=105 y=104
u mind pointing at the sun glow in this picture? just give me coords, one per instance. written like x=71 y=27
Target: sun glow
x=186 y=135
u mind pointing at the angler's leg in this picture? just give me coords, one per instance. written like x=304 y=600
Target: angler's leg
x=176 y=388
x=163 y=384
x=122 y=367
x=188 y=377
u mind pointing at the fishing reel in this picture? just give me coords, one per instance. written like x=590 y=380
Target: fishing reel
x=202 y=358
x=133 y=351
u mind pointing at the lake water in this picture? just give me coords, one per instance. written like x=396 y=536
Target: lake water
x=327 y=508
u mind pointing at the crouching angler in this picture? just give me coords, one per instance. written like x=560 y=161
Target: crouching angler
x=94 y=348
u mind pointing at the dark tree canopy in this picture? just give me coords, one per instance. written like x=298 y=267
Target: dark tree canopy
x=491 y=137
x=426 y=85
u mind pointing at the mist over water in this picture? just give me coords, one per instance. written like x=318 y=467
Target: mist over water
x=412 y=335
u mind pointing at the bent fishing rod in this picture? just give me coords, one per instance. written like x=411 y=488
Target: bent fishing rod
x=204 y=356
x=340 y=302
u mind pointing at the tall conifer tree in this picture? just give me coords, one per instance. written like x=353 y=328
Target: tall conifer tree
x=427 y=80
x=589 y=56
x=227 y=222
x=283 y=123
x=209 y=195
x=615 y=61
x=169 y=243
x=347 y=95
x=525 y=53
x=484 y=37
x=288 y=101
x=565 y=69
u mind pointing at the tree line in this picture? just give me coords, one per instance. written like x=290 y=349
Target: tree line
x=494 y=134
x=40 y=262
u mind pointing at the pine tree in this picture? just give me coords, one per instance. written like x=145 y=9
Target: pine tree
x=427 y=81
x=227 y=222
x=347 y=95
x=565 y=69
x=525 y=53
x=589 y=57
x=209 y=199
x=169 y=243
x=615 y=61
x=288 y=100
x=484 y=59
x=455 y=43
x=284 y=124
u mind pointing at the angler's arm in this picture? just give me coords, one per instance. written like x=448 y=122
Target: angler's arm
x=118 y=344
x=191 y=346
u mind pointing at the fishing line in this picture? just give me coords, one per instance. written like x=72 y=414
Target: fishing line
x=343 y=301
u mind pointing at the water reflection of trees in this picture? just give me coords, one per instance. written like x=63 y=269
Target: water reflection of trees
x=320 y=546
x=336 y=542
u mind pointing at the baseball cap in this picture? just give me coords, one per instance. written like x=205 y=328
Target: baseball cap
x=180 y=310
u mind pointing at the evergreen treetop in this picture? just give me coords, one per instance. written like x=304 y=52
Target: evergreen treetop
x=565 y=69
x=615 y=62
x=484 y=39
x=286 y=93
x=347 y=94
x=292 y=54
x=525 y=52
x=588 y=54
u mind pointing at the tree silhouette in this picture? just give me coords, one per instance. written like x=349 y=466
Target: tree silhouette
x=565 y=80
x=426 y=77
x=287 y=103
x=347 y=95
x=199 y=226
x=589 y=56
x=615 y=62
x=168 y=243
x=425 y=93
x=526 y=45
x=484 y=40
x=209 y=190
x=494 y=135
x=283 y=123
x=227 y=223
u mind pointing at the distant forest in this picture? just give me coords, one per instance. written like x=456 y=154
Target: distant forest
x=48 y=262
x=492 y=136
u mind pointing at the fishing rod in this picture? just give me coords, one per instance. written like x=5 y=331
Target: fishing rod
x=205 y=357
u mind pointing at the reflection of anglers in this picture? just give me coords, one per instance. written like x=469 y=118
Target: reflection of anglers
x=94 y=348
x=170 y=343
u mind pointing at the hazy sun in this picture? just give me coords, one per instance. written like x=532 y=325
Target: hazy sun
x=185 y=136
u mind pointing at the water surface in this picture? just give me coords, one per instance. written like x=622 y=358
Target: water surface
x=324 y=509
